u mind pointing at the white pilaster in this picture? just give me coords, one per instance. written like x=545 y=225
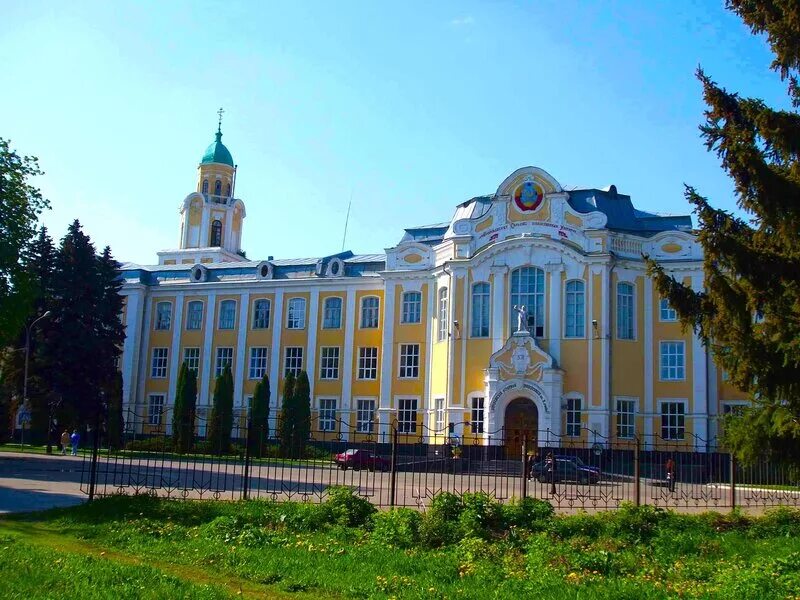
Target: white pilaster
x=311 y=349
x=498 y=307
x=347 y=359
x=205 y=225
x=175 y=350
x=241 y=351
x=203 y=396
x=605 y=349
x=275 y=358
x=555 y=328
x=647 y=405
x=699 y=379
x=131 y=348
x=387 y=355
x=144 y=361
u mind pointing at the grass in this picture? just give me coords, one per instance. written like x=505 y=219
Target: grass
x=475 y=548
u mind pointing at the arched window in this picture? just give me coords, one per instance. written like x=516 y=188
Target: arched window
x=216 y=233
x=332 y=313
x=218 y=188
x=296 y=314
x=527 y=289
x=625 y=329
x=575 y=317
x=205 y=186
x=442 y=314
x=480 y=310
x=228 y=190
x=227 y=314
x=369 y=312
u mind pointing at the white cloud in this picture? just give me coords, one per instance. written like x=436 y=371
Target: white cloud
x=462 y=21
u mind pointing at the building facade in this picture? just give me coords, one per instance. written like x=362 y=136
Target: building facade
x=529 y=313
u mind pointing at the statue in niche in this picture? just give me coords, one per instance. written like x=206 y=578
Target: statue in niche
x=522 y=319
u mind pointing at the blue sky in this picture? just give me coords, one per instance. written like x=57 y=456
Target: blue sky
x=410 y=107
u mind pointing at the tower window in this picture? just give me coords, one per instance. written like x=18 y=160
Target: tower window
x=216 y=233
x=218 y=188
x=205 y=186
x=228 y=190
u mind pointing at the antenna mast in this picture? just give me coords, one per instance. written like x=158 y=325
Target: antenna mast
x=347 y=220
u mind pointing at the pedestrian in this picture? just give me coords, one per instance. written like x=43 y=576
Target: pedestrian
x=64 y=442
x=75 y=438
x=670 y=474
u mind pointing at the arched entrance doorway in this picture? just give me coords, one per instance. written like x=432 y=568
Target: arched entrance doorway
x=521 y=421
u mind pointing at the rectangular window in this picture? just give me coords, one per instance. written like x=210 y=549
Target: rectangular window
x=672 y=420
x=261 y=314
x=259 y=363
x=439 y=409
x=626 y=418
x=625 y=330
x=409 y=361
x=191 y=356
x=224 y=359
x=329 y=362
x=480 y=310
x=155 y=408
x=575 y=316
x=327 y=414
x=194 y=315
x=227 y=314
x=293 y=360
x=370 y=307
x=296 y=314
x=574 y=417
x=163 y=315
x=673 y=361
x=412 y=307
x=365 y=416
x=367 y=363
x=666 y=312
x=160 y=360
x=477 y=415
x=442 y=314
x=332 y=313
x=407 y=415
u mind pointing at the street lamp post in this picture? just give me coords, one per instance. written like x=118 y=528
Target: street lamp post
x=27 y=354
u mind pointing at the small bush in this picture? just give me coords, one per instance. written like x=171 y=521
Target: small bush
x=780 y=521
x=446 y=505
x=480 y=516
x=436 y=531
x=581 y=524
x=527 y=513
x=636 y=523
x=398 y=527
x=152 y=444
x=346 y=508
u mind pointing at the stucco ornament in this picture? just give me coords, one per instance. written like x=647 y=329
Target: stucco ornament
x=521 y=359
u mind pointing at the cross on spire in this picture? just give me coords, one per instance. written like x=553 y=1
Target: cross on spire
x=219 y=125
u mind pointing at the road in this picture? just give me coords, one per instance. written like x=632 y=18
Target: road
x=34 y=482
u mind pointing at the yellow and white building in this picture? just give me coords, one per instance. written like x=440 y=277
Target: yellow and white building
x=425 y=335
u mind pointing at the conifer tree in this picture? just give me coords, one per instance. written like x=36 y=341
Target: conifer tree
x=115 y=422
x=302 y=415
x=184 y=410
x=221 y=420
x=286 y=417
x=259 y=416
x=749 y=311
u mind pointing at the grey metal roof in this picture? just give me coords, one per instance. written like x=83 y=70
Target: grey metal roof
x=622 y=216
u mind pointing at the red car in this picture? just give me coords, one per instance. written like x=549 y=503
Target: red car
x=360 y=459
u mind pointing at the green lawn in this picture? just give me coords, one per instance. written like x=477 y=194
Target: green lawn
x=145 y=547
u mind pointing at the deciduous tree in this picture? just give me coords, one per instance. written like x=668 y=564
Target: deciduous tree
x=259 y=416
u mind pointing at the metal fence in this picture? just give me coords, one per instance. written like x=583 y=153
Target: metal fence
x=407 y=468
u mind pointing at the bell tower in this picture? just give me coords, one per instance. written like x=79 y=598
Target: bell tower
x=211 y=217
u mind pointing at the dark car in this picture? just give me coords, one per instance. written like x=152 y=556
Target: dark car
x=566 y=470
x=578 y=462
x=360 y=459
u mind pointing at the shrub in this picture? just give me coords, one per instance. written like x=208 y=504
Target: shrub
x=780 y=521
x=398 y=527
x=581 y=524
x=480 y=515
x=527 y=513
x=346 y=508
x=636 y=523
x=151 y=444
x=436 y=531
x=446 y=505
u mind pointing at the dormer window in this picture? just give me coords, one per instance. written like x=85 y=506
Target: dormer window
x=205 y=186
x=216 y=233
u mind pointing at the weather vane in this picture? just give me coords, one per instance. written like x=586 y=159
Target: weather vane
x=219 y=112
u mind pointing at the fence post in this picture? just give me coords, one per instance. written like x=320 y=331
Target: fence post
x=524 y=466
x=637 y=481
x=733 y=482
x=95 y=451
x=246 y=472
x=393 y=469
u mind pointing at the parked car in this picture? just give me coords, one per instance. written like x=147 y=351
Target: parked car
x=357 y=459
x=578 y=462
x=567 y=469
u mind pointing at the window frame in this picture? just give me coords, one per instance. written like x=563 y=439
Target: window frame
x=190 y=315
x=191 y=360
x=477 y=414
x=264 y=323
x=327 y=371
x=408 y=362
x=291 y=313
x=578 y=325
x=665 y=308
x=216 y=234
x=442 y=313
x=573 y=428
x=680 y=419
x=482 y=310
x=407 y=426
x=662 y=356
x=364 y=368
x=159 y=370
x=439 y=412
x=621 y=427
x=259 y=367
x=408 y=306
x=222 y=304
x=325 y=309
x=298 y=357
x=629 y=333
x=363 y=323
x=220 y=360
x=155 y=422
x=158 y=325
x=367 y=426
x=326 y=417
x=539 y=310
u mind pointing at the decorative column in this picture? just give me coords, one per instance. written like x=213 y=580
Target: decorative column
x=556 y=311
x=499 y=303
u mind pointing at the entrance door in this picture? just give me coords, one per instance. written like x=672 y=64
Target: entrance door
x=521 y=421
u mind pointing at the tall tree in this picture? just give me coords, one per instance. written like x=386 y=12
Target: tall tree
x=749 y=311
x=286 y=417
x=259 y=416
x=222 y=413
x=115 y=420
x=185 y=406
x=20 y=206
x=302 y=418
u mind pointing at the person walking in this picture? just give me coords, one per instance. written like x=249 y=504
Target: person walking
x=75 y=438
x=64 y=442
x=670 y=474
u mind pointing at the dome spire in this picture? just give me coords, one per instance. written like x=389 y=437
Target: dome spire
x=217 y=152
x=219 y=124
